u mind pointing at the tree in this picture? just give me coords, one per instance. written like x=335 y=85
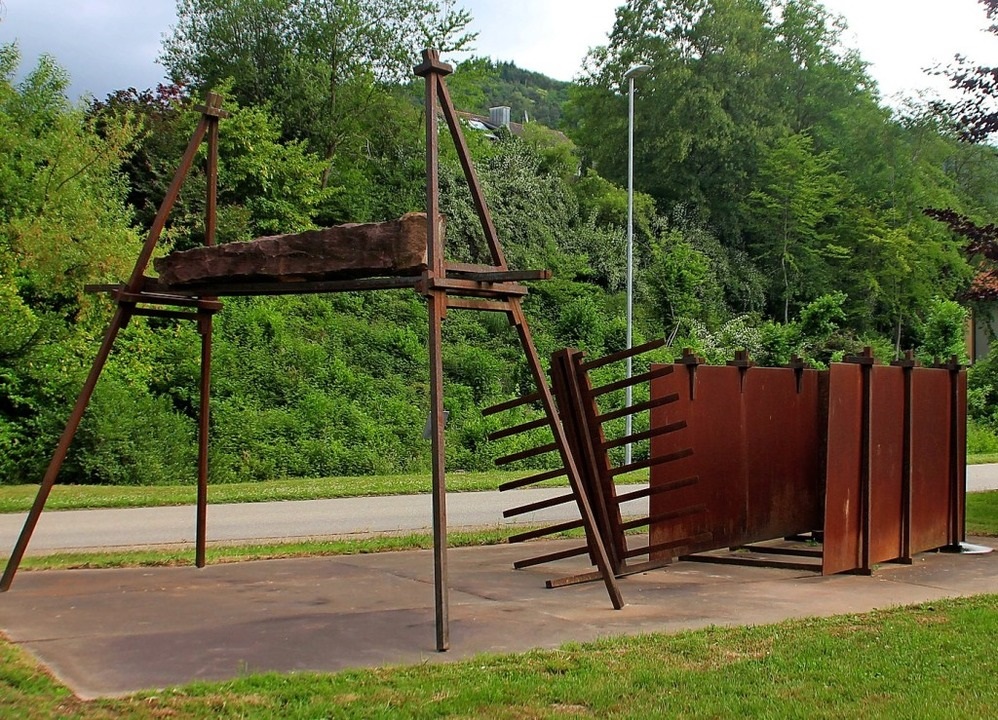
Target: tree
x=791 y=214
x=64 y=222
x=701 y=114
x=976 y=116
x=682 y=284
x=318 y=62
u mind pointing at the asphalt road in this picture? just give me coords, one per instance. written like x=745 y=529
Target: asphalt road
x=284 y=521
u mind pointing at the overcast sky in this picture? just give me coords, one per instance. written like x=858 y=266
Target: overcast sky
x=112 y=44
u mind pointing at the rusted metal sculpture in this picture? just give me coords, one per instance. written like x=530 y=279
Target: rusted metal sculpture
x=132 y=300
x=583 y=421
x=446 y=286
x=393 y=248
x=867 y=459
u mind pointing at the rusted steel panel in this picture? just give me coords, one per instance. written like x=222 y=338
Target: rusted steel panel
x=960 y=532
x=715 y=432
x=931 y=505
x=886 y=462
x=843 y=504
x=782 y=439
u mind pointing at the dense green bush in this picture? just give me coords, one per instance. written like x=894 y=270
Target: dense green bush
x=338 y=384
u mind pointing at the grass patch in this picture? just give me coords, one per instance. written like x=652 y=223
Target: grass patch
x=982 y=519
x=982 y=458
x=982 y=513
x=932 y=660
x=18 y=498
x=272 y=551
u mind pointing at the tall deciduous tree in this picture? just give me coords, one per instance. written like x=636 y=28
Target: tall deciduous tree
x=791 y=214
x=315 y=61
x=703 y=111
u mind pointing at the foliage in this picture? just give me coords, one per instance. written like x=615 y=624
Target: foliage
x=320 y=63
x=982 y=391
x=975 y=115
x=63 y=223
x=981 y=440
x=682 y=283
x=817 y=337
x=778 y=209
x=943 y=332
x=758 y=124
x=265 y=186
x=481 y=83
x=791 y=213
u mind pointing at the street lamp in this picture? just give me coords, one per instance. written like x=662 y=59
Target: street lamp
x=633 y=72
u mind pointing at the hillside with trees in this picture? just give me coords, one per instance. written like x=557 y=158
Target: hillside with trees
x=779 y=210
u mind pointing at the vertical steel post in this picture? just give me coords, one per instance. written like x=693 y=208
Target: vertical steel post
x=907 y=366
x=957 y=497
x=205 y=322
x=866 y=481
x=432 y=69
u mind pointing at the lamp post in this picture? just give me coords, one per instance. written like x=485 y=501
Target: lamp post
x=633 y=72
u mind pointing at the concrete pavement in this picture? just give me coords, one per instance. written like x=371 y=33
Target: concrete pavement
x=982 y=477
x=112 y=632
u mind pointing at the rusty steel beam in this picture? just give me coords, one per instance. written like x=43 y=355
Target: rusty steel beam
x=533 y=479
x=303 y=287
x=433 y=71
x=575 y=404
x=645 y=435
x=539 y=505
x=655 y=402
x=635 y=380
x=517 y=429
x=528 y=453
x=514 y=403
x=545 y=531
x=623 y=354
x=658 y=489
x=551 y=557
x=652 y=462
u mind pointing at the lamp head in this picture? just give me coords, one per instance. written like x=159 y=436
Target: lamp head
x=636 y=71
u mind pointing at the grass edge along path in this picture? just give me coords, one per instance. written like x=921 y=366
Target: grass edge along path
x=926 y=661
x=219 y=554
x=19 y=498
x=982 y=520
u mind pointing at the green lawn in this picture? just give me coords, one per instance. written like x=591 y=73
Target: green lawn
x=930 y=661
x=982 y=513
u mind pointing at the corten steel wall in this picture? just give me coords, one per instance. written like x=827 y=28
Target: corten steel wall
x=844 y=469
x=887 y=417
x=873 y=455
x=902 y=491
x=756 y=448
x=939 y=458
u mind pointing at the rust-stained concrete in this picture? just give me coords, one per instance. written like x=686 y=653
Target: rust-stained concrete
x=112 y=632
